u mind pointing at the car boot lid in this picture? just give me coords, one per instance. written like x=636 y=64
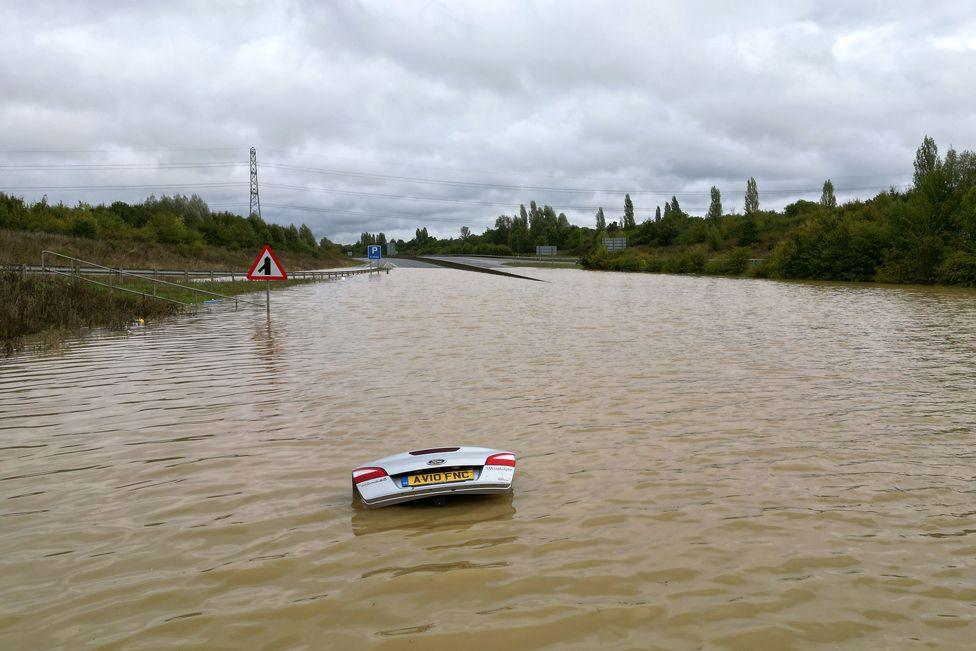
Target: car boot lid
x=439 y=457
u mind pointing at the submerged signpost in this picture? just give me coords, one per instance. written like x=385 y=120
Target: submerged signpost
x=267 y=267
x=374 y=252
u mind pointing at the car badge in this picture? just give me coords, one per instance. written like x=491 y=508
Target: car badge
x=435 y=462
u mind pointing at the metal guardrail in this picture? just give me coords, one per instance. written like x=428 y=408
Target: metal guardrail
x=80 y=272
x=186 y=274
x=527 y=256
x=75 y=272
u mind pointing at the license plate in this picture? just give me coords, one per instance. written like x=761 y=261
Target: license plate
x=441 y=477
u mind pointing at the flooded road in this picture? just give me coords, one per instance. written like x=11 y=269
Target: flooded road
x=703 y=463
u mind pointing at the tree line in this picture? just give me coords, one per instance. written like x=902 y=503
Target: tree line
x=924 y=234
x=186 y=222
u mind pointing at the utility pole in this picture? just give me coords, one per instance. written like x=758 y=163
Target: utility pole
x=255 y=198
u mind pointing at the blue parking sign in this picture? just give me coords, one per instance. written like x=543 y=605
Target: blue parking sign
x=374 y=251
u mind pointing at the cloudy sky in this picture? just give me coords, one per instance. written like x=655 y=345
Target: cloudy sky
x=385 y=116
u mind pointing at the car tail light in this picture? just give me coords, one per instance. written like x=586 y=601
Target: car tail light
x=360 y=475
x=502 y=459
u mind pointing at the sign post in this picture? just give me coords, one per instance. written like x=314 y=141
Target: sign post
x=266 y=267
x=374 y=252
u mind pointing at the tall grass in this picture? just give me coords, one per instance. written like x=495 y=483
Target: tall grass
x=31 y=305
x=57 y=306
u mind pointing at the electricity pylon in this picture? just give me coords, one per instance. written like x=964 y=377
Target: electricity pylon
x=255 y=198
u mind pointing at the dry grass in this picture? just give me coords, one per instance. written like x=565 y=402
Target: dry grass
x=24 y=247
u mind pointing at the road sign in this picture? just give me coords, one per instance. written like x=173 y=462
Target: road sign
x=374 y=251
x=615 y=243
x=267 y=267
x=545 y=250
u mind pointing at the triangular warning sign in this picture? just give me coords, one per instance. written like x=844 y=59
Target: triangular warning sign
x=267 y=267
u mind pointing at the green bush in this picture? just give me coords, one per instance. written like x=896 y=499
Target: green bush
x=734 y=263
x=692 y=261
x=653 y=264
x=958 y=268
x=84 y=226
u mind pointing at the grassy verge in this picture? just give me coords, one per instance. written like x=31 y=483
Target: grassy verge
x=50 y=309
x=24 y=247
x=185 y=294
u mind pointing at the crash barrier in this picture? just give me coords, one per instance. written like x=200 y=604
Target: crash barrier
x=528 y=256
x=81 y=270
x=468 y=267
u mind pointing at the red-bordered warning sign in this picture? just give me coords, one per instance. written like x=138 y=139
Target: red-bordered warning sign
x=267 y=267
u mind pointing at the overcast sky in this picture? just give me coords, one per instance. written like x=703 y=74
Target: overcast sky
x=476 y=107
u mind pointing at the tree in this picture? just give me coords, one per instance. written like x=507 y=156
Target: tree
x=675 y=208
x=715 y=207
x=381 y=239
x=657 y=214
x=629 y=221
x=752 y=197
x=926 y=160
x=601 y=221
x=748 y=231
x=306 y=236
x=827 y=198
x=465 y=232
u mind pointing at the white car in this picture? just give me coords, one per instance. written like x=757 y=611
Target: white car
x=434 y=472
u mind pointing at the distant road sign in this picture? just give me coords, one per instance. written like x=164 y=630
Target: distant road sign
x=615 y=243
x=545 y=250
x=374 y=252
x=391 y=248
x=267 y=267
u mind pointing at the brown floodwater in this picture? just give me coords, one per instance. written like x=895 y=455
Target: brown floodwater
x=703 y=463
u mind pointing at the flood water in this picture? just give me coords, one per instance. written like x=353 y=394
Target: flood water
x=703 y=463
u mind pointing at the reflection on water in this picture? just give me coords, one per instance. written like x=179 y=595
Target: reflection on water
x=703 y=463
x=456 y=515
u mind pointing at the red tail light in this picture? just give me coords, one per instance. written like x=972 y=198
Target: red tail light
x=501 y=459
x=360 y=475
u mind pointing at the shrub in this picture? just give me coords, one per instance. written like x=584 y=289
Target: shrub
x=958 y=268
x=692 y=261
x=84 y=226
x=734 y=263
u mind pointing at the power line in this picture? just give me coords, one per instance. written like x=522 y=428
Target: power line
x=400 y=216
x=503 y=186
x=163 y=186
x=85 y=167
x=367 y=161
x=386 y=177
x=447 y=182
x=115 y=151
x=504 y=204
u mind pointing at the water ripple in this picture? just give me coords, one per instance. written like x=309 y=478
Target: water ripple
x=703 y=463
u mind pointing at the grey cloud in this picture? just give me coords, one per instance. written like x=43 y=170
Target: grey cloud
x=571 y=94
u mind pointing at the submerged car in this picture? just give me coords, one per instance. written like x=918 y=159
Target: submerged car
x=434 y=472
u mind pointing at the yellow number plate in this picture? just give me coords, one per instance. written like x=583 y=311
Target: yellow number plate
x=441 y=477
